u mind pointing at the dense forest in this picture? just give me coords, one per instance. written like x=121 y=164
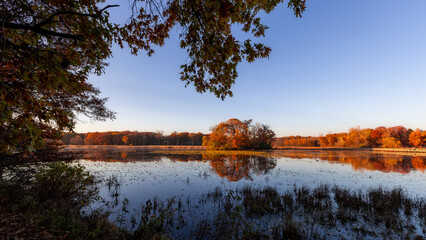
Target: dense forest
x=297 y=141
x=133 y=138
x=385 y=137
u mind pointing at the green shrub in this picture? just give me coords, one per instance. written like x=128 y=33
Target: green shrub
x=66 y=186
x=54 y=199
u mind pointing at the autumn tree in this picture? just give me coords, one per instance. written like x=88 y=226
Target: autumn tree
x=237 y=134
x=232 y=134
x=49 y=48
x=323 y=141
x=391 y=142
x=376 y=136
x=125 y=139
x=358 y=137
x=297 y=141
x=417 y=138
x=331 y=139
x=399 y=134
x=261 y=136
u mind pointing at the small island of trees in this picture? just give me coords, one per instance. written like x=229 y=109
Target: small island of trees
x=235 y=134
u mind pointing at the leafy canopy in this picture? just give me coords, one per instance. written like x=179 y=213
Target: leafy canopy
x=48 y=48
x=236 y=134
x=206 y=33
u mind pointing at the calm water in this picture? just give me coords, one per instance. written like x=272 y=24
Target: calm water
x=143 y=175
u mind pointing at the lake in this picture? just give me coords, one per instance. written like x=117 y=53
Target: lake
x=132 y=176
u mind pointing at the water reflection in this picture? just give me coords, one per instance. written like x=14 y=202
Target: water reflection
x=134 y=176
x=118 y=155
x=239 y=166
x=232 y=167
x=361 y=161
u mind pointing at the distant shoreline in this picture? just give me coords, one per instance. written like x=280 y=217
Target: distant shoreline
x=397 y=151
x=410 y=151
x=76 y=147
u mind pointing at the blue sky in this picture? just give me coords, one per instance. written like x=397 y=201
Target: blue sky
x=343 y=64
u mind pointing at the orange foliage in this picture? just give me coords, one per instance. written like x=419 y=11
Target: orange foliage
x=236 y=134
x=418 y=138
x=392 y=137
x=125 y=139
x=133 y=138
x=365 y=161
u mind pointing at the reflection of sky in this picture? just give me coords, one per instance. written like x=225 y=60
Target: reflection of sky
x=190 y=180
x=166 y=178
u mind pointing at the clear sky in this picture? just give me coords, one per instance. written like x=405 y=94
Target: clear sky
x=343 y=64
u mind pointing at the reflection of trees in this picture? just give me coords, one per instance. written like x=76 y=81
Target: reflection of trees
x=237 y=167
x=118 y=155
x=419 y=163
x=232 y=167
x=361 y=161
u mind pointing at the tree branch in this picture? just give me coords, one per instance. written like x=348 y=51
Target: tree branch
x=50 y=18
x=42 y=31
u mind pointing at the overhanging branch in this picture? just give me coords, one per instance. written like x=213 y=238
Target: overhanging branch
x=42 y=31
x=50 y=18
x=37 y=28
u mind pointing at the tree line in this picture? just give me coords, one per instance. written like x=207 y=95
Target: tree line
x=133 y=138
x=297 y=141
x=236 y=134
x=385 y=137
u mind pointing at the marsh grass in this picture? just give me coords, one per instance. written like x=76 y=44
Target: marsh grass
x=323 y=212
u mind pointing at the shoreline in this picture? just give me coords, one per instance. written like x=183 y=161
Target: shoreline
x=410 y=150
x=398 y=151
x=148 y=147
